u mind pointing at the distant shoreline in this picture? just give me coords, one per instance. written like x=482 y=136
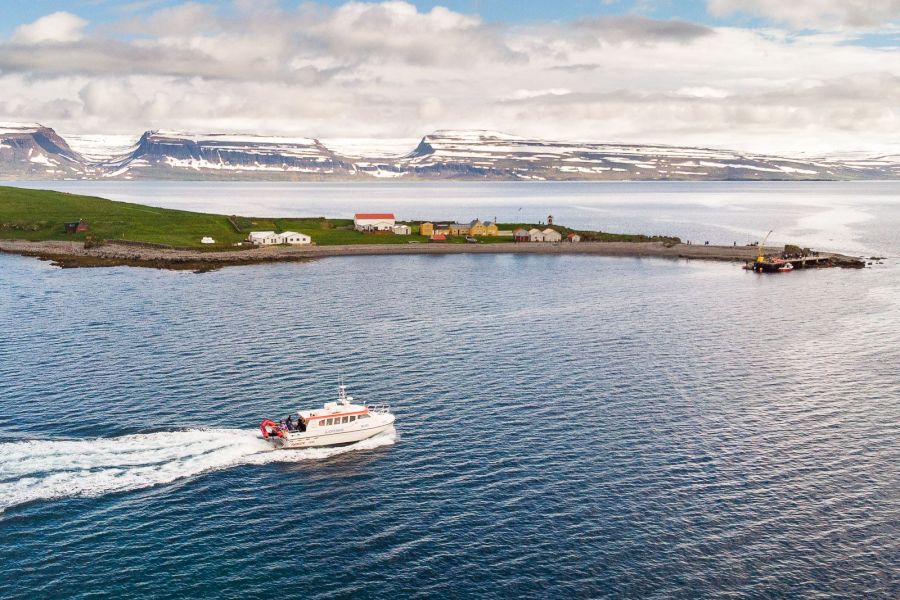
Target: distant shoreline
x=71 y=254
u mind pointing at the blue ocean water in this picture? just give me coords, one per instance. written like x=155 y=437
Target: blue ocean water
x=567 y=426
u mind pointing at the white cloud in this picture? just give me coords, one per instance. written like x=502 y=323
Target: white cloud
x=390 y=70
x=633 y=28
x=701 y=92
x=110 y=98
x=814 y=14
x=525 y=94
x=431 y=108
x=56 y=27
x=397 y=30
x=184 y=19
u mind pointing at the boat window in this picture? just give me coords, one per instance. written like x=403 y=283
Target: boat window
x=345 y=420
x=328 y=421
x=363 y=416
x=353 y=418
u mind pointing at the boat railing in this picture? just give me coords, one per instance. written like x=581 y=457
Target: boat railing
x=379 y=408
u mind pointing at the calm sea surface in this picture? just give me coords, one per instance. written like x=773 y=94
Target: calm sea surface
x=566 y=426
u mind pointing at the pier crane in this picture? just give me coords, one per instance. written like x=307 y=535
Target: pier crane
x=761 y=255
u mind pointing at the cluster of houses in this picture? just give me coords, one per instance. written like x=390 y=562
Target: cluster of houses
x=387 y=223
x=365 y=222
x=440 y=231
x=547 y=235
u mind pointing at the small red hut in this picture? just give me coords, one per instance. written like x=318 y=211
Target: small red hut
x=76 y=226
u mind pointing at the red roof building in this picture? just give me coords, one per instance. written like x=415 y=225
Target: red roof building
x=374 y=221
x=374 y=216
x=521 y=235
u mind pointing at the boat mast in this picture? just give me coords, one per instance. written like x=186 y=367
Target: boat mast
x=342 y=392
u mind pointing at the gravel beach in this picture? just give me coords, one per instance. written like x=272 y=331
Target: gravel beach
x=74 y=254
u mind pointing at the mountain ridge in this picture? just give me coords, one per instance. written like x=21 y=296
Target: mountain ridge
x=34 y=151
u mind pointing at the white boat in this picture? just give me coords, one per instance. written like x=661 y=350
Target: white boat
x=335 y=424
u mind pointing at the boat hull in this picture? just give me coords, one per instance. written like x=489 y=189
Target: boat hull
x=296 y=439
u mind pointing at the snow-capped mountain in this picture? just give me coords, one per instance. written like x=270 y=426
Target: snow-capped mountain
x=498 y=155
x=169 y=154
x=32 y=151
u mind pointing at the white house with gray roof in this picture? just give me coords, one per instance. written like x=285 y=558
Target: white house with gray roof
x=270 y=238
x=551 y=235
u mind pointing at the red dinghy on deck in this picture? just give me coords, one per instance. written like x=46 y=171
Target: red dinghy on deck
x=270 y=428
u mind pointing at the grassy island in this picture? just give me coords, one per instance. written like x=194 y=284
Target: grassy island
x=48 y=225
x=40 y=215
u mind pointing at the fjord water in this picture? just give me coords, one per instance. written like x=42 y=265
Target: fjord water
x=567 y=426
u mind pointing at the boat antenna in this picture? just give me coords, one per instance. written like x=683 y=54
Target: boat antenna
x=342 y=391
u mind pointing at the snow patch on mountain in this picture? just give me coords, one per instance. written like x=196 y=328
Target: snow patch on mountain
x=19 y=128
x=370 y=148
x=101 y=148
x=235 y=138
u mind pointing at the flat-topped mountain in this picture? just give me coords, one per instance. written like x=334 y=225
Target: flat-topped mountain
x=171 y=154
x=33 y=151
x=502 y=156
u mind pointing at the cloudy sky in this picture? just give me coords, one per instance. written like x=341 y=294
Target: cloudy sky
x=763 y=75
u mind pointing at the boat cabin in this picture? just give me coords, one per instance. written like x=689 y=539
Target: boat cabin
x=313 y=421
x=341 y=412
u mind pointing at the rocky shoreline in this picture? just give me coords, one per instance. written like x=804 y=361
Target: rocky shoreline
x=74 y=254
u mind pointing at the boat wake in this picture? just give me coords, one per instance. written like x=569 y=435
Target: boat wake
x=43 y=470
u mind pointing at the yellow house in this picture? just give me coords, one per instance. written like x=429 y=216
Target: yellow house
x=426 y=229
x=476 y=227
x=459 y=229
x=479 y=228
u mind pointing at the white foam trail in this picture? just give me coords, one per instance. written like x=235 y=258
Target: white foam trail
x=43 y=470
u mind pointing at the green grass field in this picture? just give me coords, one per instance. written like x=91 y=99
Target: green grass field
x=38 y=215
